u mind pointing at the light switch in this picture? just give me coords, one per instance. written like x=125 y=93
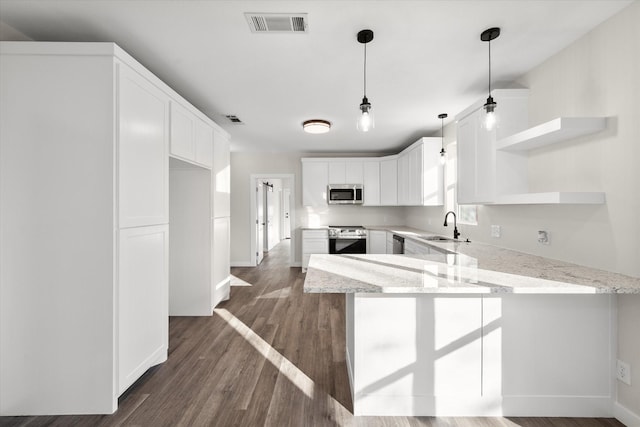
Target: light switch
x=495 y=231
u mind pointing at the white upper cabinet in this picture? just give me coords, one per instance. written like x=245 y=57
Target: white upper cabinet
x=142 y=152
x=344 y=171
x=315 y=177
x=371 y=182
x=203 y=143
x=412 y=178
x=182 y=138
x=191 y=138
x=221 y=176
x=420 y=174
x=389 y=181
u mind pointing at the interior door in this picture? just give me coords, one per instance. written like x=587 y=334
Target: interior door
x=286 y=222
x=259 y=222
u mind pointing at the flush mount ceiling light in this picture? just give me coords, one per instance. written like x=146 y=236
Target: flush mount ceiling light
x=365 y=121
x=316 y=126
x=490 y=105
x=442 y=152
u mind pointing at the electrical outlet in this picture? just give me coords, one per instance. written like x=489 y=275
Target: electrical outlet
x=623 y=372
x=495 y=231
x=543 y=237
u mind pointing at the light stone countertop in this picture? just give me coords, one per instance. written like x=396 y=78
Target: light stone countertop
x=465 y=268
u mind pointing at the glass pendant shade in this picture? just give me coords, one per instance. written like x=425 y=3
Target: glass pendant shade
x=490 y=119
x=366 y=120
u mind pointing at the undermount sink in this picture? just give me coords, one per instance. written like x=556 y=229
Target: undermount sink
x=437 y=238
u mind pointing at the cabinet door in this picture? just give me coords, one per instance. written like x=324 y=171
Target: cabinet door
x=182 y=132
x=476 y=161
x=371 y=183
x=315 y=177
x=203 y=143
x=354 y=172
x=403 y=179
x=143 y=166
x=221 y=260
x=377 y=242
x=142 y=310
x=338 y=173
x=415 y=176
x=221 y=176
x=432 y=173
x=388 y=182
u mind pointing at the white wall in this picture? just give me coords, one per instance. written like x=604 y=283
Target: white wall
x=243 y=164
x=597 y=75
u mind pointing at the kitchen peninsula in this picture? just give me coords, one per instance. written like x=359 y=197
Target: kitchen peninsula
x=475 y=330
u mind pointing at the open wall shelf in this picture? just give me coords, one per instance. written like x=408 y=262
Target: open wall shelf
x=554 y=131
x=552 y=198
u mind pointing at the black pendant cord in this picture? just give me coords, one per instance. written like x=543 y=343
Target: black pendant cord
x=442 y=132
x=489 y=67
x=365 y=70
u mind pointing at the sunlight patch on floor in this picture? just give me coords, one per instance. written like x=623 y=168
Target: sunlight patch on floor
x=288 y=369
x=236 y=281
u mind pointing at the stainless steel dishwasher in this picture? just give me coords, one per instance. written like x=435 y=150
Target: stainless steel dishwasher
x=398 y=244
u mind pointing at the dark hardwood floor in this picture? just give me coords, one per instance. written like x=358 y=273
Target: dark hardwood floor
x=270 y=356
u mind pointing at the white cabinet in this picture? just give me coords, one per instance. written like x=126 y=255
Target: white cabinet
x=371 y=183
x=84 y=210
x=203 y=142
x=221 y=172
x=143 y=319
x=142 y=153
x=389 y=181
x=191 y=138
x=420 y=174
x=345 y=171
x=389 y=239
x=221 y=260
x=376 y=242
x=313 y=242
x=315 y=178
x=411 y=247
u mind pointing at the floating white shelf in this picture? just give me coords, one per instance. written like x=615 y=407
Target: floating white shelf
x=552 y=198
x=556 y=130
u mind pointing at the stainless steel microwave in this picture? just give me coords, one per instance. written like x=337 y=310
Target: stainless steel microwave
x=344 y=194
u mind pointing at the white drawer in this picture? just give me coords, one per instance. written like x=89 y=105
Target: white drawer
x=315 y=234
x=411 y=247
x=315 y=246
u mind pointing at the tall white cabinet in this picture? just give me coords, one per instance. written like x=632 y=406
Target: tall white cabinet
x=84 y=225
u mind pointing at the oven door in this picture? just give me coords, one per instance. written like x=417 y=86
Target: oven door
x=347 y=246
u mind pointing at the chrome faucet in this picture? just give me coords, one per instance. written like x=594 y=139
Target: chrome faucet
x=455 y=223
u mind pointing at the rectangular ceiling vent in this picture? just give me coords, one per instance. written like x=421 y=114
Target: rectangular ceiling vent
x=277 y=22
x=234 y=119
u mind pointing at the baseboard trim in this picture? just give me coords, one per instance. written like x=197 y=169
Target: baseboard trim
x=489 y=406
x=241 y=264
x=625 y=416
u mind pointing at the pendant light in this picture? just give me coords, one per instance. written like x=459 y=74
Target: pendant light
x=443 y=154
x=490 y=105
x=365 y=121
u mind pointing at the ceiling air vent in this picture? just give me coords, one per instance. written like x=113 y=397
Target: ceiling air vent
x=234 y=119
x=277 y=22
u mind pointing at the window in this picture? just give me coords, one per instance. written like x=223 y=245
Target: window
x=467 y=214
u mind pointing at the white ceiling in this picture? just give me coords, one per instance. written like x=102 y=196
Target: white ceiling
x=426 y=58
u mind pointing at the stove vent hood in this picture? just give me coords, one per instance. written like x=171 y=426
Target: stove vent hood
x=277 y=22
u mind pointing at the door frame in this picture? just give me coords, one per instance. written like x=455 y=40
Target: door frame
x=253 y=179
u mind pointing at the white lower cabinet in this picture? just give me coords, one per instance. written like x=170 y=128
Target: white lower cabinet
x=142 y=301
x=376 y=242
x=220 y=282
x=389 y=242
x=313 y=242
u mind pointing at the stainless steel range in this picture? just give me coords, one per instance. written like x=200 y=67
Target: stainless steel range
x=350 y=239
